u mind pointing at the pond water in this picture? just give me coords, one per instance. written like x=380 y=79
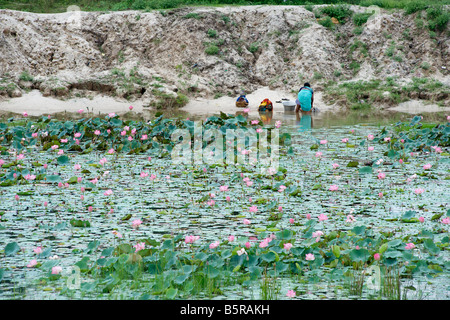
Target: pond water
x=177 y=203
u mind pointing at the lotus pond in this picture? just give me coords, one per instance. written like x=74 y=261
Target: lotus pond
x=95 y=208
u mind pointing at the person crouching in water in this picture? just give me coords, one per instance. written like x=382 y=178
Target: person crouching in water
x=305 y=99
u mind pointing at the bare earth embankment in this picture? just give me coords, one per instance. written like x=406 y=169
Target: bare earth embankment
x=106 y=62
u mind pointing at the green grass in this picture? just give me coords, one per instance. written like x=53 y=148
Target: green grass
x=336 y=9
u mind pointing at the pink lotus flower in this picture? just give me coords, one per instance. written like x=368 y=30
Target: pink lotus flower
x=446 y=220
x=335 y=165
x=370 y=148
x=282 y=188
x=376 y=256
x=246 y=110
x=143 y=174
x=381 y=175
x=117 y=234
x=54 y=147
x=290 y=294
x=37 y=250
x=308 y=216
x=345 y=140
x=152 y=177
x=32 y=263
x=223 y=188
x=387 y=139
x=45 y=203
x=309 y=257
x=317 y=234
x=437 y=149
x=280 y=208
x=380 y=194
x=350 y=218
x=370 y=137
x=228 y=198
x=103 y=161
x=246 y=221
x=90 y=208
x=20 y=156
x=190 y=239
x=108 y=192
x=318 y=154
x=421 y=219
x=291 y=220
x=230 y=238
x=80 y=111
x=77 y=135
x=248 y=245
x=25 y=114
x=139 y=246
x=400 y=161
x=278 y=124
x=77 y=167
x=322 y=217
x=97 y=132
x=410 y=246
x=144 y=137
x=130 y=107
x=333 y=187
x=111 y=115
x=34 y=134
x=211 y=203
x=323 y=141
x=419 y=191
x=214 y=245
x=16 y=197
x=427 y=166
x=136 y=223
x=56 y=270
x=264 y=243
x=287 y=246
x=253 y=209
x=94 y=181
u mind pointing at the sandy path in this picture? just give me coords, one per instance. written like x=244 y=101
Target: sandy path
x=35 y=104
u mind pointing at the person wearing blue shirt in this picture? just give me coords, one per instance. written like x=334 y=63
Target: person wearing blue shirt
x=305 y=99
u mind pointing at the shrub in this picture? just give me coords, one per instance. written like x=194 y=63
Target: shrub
x=414 y=6
x=425 y=65
x=212 y=49
x=361 y=18
x=253 y=47
x=326 y=22
x=25 y=76
x=361 y=106
x=358 y=30
x=212 y=33
x=340 y=12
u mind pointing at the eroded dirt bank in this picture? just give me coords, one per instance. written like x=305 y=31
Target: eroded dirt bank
x=163 y=58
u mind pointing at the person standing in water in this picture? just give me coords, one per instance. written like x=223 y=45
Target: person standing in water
x=305 y=99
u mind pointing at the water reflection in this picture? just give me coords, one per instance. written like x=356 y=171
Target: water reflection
x=303 y=121
x=266 y=117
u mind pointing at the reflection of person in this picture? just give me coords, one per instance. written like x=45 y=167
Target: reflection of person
x=266 y=116
x=305 y=99
x=305 y=121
